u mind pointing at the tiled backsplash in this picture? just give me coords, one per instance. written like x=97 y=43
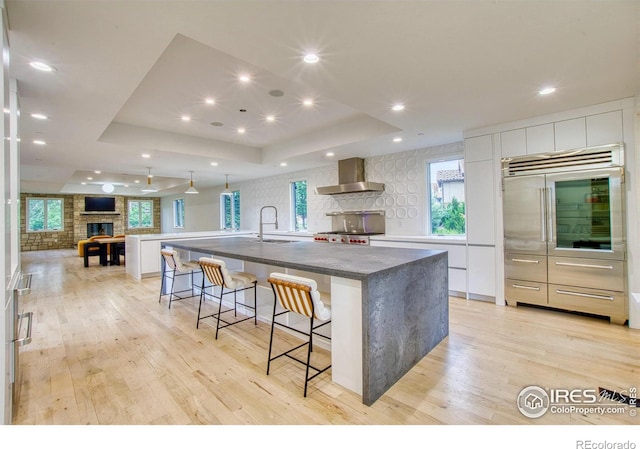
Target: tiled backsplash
x=404 y=199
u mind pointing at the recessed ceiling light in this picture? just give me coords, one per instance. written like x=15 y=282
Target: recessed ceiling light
x=215 y=164
x=83 y=183
x=137 y=181
x=271 y=118
x=547 y=90
x=145 y=155
x=107 y=187
x=217 y=124
x=209 y=100
x=39 y=142
x=397 y=139
x=330 y=154
x=311 y=58
x=126 y=185
x=397 y=107
x=97 y=172
x=89 y=178
x=185 y=118
x=308 y=102
x=42 y=66
x=283 y=164
x=244 y=78
x=276 y=93
x=241 y=130
x=39 y=116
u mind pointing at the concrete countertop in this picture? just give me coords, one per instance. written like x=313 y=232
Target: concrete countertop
x=350 y=261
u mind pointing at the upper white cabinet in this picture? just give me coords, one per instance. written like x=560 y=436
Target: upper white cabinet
x=592 y=130
x=478 y=148
x=604 y=128
x=514 y=143
x=540 y=139
x=571 y=134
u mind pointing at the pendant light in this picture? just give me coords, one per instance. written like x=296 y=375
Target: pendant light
x=226 y=190
x=148 y=188
x=191 y=189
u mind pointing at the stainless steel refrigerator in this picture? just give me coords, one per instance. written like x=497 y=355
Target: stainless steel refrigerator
x=564 y=231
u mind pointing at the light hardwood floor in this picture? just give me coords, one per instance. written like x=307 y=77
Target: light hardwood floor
x=104 y=351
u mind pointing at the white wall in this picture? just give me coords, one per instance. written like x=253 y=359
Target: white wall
x=404 y=199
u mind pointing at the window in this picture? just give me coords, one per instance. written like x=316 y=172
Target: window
x=178 y=213
x=45 y=214
x=447 y=211
x=299 y=205
x=140 y=214
x=230 y=210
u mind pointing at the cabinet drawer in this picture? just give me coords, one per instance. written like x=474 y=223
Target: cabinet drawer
x=593 y=273
x=526 y=292
x=598 y=302
x=526 y=267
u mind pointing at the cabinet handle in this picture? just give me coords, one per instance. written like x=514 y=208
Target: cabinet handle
x=550 y=214
x=27 y=339
x=585 y=295
x=525 y=287
x=25 y=284
x=584 y=265
x=525 y=261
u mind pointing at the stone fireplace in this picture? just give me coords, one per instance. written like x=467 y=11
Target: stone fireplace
x=99 y=229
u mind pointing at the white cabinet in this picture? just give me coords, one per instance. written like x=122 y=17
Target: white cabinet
x=514 y=143
x=480 y=202
x=571 y=134
x=540 y=139
x=604 y=128
x=478 y=148
x=482 y=271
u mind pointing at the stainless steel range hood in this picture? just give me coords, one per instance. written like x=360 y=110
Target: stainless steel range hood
x=351 y=179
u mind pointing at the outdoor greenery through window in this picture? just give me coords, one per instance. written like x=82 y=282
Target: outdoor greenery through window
x=178 y=213
x=446 y=179
x=299 y=205
x=141 y=213
x=230 y=210
x=45 y=214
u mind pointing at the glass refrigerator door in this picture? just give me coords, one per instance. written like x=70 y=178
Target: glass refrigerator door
x=587 y=216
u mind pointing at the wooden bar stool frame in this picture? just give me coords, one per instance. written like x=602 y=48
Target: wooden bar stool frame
x=213 y=272
x=305 y=307
x=172 y=269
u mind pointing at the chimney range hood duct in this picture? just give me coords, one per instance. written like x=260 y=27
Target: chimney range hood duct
x=351 y=179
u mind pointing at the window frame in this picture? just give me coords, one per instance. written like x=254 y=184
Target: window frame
x=294 y=206
x=234 y=209
x=429 y=194
x=177 y=225
x=129 y=201
x=45 y=201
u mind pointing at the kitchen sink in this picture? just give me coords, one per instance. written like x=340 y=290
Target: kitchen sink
x=274 y=241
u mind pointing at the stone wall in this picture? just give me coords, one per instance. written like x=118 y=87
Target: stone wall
x=75 y=222
x=33 y=241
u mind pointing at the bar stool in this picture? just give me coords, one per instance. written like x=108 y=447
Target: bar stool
x=173 y=268
x=299 y=295
x=215 y=270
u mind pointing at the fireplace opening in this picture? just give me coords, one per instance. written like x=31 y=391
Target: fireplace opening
x=99 y=229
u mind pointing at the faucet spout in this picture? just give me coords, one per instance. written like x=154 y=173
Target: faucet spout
x=262 y=222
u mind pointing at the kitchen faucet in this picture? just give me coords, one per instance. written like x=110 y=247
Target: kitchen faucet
x=262 y=223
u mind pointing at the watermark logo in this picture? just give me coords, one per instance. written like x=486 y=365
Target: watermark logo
x=534 y=401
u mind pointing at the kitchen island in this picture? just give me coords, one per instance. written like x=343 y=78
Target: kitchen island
x=389 y=305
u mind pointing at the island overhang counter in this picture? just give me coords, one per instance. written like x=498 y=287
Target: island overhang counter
x=389 y=305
